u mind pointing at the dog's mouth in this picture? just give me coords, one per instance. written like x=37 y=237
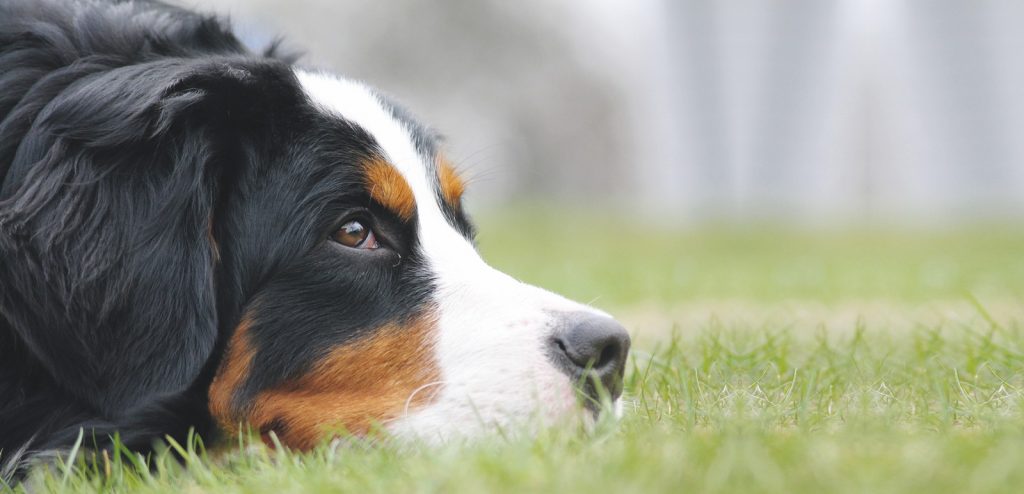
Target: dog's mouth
x=599 y=402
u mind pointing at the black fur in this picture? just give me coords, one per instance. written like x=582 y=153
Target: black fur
x=157 y=182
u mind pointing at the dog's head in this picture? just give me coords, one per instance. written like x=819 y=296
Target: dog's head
x=301 y=239
x=386 y=314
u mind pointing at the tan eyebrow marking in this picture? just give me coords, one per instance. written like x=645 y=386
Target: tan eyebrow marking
x=451 y=183
x=388 y=187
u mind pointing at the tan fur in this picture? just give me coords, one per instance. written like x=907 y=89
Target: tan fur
x=386 y=185
x=353 y=387
x=452 y=186
x=230 y=375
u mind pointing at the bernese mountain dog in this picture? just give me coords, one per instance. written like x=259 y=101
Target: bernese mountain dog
x=197 y=237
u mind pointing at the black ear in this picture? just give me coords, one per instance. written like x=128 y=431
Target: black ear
x=106 y=254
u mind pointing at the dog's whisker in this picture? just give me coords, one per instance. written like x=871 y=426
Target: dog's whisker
x=408 y=401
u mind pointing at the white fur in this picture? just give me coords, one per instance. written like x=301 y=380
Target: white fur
x=492 y=328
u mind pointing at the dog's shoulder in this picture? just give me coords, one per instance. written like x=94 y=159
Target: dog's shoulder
x=60 y=60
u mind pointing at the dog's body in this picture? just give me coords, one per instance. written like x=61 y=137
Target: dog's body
x=196 y=236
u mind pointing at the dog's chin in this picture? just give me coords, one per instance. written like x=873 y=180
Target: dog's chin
x=469 y=419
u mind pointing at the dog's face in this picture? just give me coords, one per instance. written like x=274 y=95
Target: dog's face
x=360 y=297
x=191 y=231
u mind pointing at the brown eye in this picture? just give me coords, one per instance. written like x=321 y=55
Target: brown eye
x=357 y=235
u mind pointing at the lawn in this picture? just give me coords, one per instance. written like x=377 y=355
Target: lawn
x=765 y=360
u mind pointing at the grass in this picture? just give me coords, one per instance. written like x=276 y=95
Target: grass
x=619 y=262
x=765 y=361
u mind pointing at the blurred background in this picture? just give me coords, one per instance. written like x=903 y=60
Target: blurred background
x=799 y=111
x=681 y=161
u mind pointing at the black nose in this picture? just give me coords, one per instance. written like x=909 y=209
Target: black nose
x=589 y=346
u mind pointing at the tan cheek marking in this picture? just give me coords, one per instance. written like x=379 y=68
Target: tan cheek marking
x=452 y=185
x=230 y=376
x=387 y=186
x=353 y=387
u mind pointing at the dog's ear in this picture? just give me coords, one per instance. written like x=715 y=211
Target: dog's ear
x=139 y=102
x=107 y=256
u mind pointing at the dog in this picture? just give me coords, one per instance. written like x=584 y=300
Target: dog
x=198 y=237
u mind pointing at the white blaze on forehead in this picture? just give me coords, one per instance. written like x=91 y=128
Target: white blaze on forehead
x=358 y=104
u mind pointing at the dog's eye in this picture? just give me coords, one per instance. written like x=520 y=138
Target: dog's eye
x=357 y=235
